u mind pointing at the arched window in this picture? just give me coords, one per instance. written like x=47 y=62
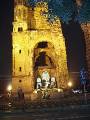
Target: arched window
x=20 y=29
x=42 y=45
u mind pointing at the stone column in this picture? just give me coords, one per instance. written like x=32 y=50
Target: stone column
x=86 y=29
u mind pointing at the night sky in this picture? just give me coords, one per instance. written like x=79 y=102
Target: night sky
x=72 y=32
x=6 y=16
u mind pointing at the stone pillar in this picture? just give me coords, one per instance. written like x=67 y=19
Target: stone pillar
x=86 y=29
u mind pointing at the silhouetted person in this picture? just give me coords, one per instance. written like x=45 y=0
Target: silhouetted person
x=21 y=98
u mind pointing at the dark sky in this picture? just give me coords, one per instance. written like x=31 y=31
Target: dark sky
x=6 y=15
x=75 y=46
x=72 y=33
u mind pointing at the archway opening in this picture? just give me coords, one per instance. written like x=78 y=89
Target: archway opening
x=43 y=60
x=44 y=66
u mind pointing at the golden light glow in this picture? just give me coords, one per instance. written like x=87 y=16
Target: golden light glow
x=9 y=88
x=35 y=91
x=60 y=90
x=70 y=84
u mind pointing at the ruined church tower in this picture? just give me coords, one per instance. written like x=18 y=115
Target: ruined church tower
x=38 y=49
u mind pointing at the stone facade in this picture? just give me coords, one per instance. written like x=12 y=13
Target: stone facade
x=86 y=29
x=38 y=46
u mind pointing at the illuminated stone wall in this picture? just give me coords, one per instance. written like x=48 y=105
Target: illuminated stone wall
x=30 y=27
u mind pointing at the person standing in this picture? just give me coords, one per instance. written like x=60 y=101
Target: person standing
x=21 y=98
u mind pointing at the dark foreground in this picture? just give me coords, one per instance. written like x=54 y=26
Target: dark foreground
x=80 y=112
x=72 y=107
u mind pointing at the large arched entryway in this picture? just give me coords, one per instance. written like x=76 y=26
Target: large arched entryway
x=44 y=66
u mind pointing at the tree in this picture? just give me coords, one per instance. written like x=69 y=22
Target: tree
x=65 y=9
x=61 y=8
x=83 y=14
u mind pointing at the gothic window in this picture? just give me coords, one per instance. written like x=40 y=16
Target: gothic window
x=42 y=45
x=24 y=13
x=20 y=69
x=19 y=12
x=20 y=81
x=20 y=29
x=19 y=51
x=28 y=52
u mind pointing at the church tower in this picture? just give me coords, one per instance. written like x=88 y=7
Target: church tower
x=21 y=72
x=39 y=52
